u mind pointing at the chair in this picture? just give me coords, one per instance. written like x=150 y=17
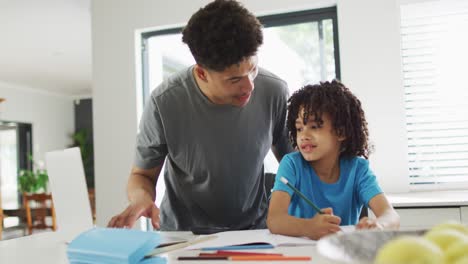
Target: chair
x=364 y=212
x=92 y=202
x=38 y=207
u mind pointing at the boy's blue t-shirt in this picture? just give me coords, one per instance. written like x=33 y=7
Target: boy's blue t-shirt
x=353 y=190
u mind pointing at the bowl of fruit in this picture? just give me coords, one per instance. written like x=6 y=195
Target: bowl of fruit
x=445 y=243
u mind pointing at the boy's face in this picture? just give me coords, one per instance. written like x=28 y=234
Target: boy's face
x=317 y=141
x=235 y=84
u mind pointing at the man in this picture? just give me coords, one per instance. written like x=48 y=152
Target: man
x=213 y=128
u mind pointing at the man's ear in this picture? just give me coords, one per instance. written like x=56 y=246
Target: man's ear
x=201 y=73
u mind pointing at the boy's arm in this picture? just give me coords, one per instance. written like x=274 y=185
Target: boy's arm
x=386 y=216
x=280 y=222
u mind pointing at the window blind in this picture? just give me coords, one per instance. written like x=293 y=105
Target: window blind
x=434 y=48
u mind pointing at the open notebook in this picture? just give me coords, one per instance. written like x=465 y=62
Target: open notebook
x=261 y=238
x=251 y=239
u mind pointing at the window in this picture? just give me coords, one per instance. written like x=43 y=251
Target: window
x=434 y=50
x=15 y=148
x=8 y=166
x=306 y=40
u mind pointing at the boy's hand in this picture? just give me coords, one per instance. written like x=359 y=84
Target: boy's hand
x=324 y=224
x=368 y=223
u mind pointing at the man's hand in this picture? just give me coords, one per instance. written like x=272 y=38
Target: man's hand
x=142 y=207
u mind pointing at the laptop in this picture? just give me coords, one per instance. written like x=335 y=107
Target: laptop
x=67 y=184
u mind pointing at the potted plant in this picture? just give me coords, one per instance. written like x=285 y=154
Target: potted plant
x=31 y=181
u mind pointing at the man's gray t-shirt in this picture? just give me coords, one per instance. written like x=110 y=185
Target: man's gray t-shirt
x=214 y=171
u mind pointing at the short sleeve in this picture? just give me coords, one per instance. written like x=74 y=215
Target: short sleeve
x=368 y=186
x=286 y=169
x=151 y=147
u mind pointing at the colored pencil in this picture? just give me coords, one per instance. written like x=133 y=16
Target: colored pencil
x=248 y=258
x=316 y=208
x=237 y=253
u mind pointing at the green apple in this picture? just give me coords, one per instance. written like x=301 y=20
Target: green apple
x=456 y=252
x=453 y=225
x=409 y=249
x=463 y=260
x=445 y=237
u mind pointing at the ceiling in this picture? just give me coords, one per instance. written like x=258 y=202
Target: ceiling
x=46 y=45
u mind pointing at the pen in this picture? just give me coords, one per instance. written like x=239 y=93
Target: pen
x=204 y=258
x=283 y=180
x=158 y=251
x=240 y=247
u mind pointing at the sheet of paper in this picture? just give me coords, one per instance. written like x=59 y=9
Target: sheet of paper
x=230 y=238
x=348 y=228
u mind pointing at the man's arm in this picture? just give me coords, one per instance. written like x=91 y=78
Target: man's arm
x=141 y=194
x=143 y=181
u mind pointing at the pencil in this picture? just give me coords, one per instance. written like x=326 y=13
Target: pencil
x=316 y=208
x=224 y=253
x=247 y=258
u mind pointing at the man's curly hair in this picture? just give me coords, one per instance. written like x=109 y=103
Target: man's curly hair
x=345 y=111
x=221 y=34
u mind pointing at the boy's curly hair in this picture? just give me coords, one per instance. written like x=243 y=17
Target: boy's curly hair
x=221 y=34
x=345 y=111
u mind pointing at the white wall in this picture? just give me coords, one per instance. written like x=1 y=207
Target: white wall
x=370 y=64
x=51 y=116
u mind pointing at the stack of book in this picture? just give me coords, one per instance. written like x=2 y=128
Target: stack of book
x=114 y=246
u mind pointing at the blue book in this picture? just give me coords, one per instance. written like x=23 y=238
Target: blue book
x=114 y=246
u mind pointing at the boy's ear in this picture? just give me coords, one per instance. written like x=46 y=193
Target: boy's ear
x=341 y=135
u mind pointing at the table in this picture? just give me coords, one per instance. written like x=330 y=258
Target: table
x=50 y=248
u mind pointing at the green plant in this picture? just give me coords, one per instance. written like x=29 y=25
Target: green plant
x=32 y=181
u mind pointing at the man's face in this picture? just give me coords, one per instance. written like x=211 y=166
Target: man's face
x=235 y=84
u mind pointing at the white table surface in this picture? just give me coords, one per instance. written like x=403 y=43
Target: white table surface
x=51 y=249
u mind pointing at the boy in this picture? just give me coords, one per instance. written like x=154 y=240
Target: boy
x=327 y=125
